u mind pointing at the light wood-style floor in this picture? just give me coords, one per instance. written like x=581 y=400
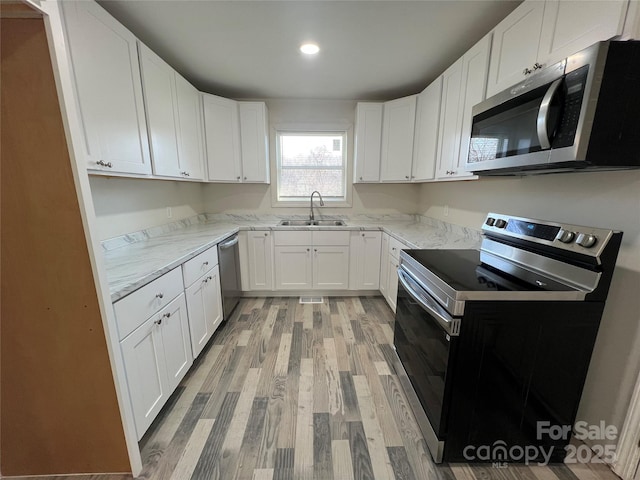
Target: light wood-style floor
x=290 y=391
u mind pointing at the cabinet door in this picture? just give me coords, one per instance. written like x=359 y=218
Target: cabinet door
x=204 y=305
x=190 y=131
x=222 y=135
x=475 y=64
x=570 y=26
x=109 y=89
x=254 y=137
x=364 y=259
x=260 y=260
x=384 y=266
x=515 y=46
x=449 y=135
x=144 y=362
x=158 y=80
x=368 y=142
x=399 y=117
x=176 y=341
x=426 y=133
x=330 y=268
x=392 y=293
x=293 y=267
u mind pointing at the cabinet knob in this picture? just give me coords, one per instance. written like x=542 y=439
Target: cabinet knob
x=205 y=263
x=360 y=178
x=407 y=177
x=245 y=178
x=308 y=249
x=158 y=322
x=363 y=234
x=159 y=295
x=527 y=71
x=166 y=315
x=104 y=164
x=238 y=178
x=453 y=172
x=266 y=234
x=315 y=249
x=537 y=66
x=209 y=277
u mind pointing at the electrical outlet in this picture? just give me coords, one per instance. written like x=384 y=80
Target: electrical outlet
x=169 y=213
x=446 y=210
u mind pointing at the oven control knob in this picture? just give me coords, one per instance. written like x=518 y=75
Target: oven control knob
x=566 y=236
x=586 y=240
x=490 y=221
x=500 y=223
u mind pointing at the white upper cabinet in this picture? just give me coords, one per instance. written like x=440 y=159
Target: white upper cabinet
x=538 y=34
x=190 y=130
x=450 y=127
x=425 y=148
x=222 y=135
x=173 y=119
x=367 y=142
x=109 y=90
x=237 y=140
x=399 y=117
x=254 y=136
x=515 y=46
x=569 y=26
x=159 y=89
x=475 y=67
x=464 y=85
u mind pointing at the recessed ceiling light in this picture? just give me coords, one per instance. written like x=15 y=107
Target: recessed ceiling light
x=309 y=48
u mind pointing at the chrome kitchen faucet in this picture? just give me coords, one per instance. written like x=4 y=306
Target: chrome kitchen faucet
x=311 y=217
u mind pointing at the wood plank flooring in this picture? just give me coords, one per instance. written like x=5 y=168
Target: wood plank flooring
x=290 y=391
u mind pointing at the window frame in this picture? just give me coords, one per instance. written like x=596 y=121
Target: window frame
x=312 y=129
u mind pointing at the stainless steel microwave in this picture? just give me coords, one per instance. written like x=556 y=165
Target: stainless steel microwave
x=581 y=113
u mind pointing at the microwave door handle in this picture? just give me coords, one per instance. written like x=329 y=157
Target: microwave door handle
x=449 y=324
x=543 y=113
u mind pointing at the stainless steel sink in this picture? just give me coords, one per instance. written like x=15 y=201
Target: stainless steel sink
x=329 y=223
x=312 y=223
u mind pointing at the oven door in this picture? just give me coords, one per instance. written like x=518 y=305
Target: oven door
x=426 y=342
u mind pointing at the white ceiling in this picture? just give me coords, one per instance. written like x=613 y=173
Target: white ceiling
x=370 y=50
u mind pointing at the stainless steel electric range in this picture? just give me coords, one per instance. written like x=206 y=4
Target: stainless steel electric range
x=494 y=344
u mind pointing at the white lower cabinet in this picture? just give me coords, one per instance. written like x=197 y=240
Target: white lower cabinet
x=331 y=267
x=293 y=267
x=204 y=304
x=156 y=357
x=364 y=258
x=256 y=260
x=307 y=260
x=390 y=259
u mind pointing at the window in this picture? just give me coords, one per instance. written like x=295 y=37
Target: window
x=309 y=161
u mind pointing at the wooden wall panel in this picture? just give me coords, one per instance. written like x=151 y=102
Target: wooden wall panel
x=58 y=410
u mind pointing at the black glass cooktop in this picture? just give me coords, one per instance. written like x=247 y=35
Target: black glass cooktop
x=463 y=271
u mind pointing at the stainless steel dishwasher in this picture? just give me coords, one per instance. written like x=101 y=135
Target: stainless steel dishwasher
x=229 y=261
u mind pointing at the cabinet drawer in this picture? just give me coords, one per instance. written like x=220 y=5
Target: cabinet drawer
x=395 y=246
x=133 y=310
x=292 y=238
x=199 y=265
x=331 y=238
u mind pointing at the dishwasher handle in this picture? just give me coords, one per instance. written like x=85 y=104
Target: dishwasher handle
x=450 y=324
x=229 y=244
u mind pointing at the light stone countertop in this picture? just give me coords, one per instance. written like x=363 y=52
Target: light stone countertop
x=137 y=259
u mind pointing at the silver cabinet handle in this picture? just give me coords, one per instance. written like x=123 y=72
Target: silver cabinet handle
x=527 y=71
x=104 y=164
x=186 y=174
x=205 y=263
x=166 y=315
x=537 y=66
x=158 y=322
x=159 y=295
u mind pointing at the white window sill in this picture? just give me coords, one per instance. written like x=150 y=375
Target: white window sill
x=306 y=203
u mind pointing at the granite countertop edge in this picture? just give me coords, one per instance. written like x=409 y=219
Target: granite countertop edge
x=124 y=278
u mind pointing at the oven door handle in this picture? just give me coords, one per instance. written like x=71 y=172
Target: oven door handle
x=449 y=324
x=543 y=114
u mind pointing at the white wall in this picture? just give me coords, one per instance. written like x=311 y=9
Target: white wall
x=242 y=198
x=606 y=199
x=125 y=205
